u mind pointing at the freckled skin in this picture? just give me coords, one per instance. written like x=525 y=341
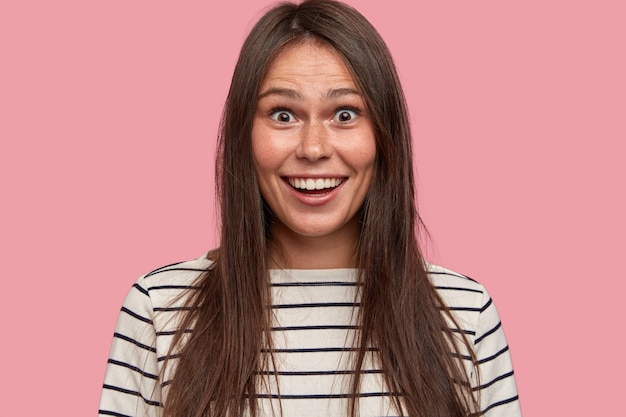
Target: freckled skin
x=310 y=122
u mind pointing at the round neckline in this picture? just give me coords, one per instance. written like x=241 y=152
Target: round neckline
x=313 y=275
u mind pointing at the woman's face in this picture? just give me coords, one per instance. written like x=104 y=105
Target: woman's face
x=313 y=144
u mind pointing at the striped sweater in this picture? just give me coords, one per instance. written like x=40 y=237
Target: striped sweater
x=313 y=332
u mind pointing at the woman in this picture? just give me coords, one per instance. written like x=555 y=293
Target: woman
x=318 y=301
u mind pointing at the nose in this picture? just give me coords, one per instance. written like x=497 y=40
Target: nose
x=314 y=142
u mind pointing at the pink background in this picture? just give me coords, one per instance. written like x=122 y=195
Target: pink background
x=108 y=117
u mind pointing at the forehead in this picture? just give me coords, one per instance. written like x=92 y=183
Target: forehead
x=308 y=61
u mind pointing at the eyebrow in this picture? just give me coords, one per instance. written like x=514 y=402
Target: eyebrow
x=294 y=94
x=341 y=92
x=284 y=92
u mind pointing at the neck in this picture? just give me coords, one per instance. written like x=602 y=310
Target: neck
x=289 y=250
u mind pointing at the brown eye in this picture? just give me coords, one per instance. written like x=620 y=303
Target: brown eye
x=345 y=115
x=282 y=116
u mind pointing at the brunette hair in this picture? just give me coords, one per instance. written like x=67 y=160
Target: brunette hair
x=218 y=363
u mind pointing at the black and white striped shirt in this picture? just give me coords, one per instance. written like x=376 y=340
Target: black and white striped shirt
x=314 y=326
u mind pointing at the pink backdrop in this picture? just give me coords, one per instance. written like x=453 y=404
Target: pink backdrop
x=108 y=116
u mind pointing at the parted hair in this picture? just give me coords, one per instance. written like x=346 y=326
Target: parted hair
x=216 y=366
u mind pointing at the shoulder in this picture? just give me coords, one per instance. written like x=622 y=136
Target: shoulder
x=176 y=274
x=478 y=318
x=154 y=299
x=467 y=299
x=142 y=339
x=163 y=285
x=458 y=291
x=446 y=277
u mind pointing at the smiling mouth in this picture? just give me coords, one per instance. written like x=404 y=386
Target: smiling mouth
x=315 y=185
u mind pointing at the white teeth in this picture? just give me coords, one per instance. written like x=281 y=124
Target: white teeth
x=314 y=184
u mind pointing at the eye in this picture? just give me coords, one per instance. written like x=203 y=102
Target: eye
x=282 y=116
x=345 y=115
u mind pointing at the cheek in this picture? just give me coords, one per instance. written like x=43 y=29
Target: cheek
x=367 y=162
x=260 y=151
x=256 y=142
x=266 y=157
x=270 y=149
x=366 y=157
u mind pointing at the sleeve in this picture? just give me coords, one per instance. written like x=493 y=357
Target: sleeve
x=131 y=386
x=496 y=384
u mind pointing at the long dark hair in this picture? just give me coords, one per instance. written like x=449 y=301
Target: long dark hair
x=216 y=369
